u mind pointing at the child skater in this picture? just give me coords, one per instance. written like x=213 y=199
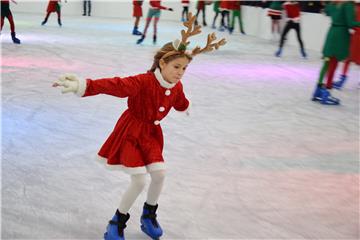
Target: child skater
x=154 y=11
x=292 y=9
x=235 y=8
x=185 y=11
x=53 y=6
x=137 y=13
x=200 y=7
x=6 y=13
x=336 y=47
x=274 y=12
x=136 y=142
x=354 y=51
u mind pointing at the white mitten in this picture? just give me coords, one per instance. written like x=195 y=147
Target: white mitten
x=69 y=82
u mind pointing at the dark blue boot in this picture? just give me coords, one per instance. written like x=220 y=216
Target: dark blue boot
x=116 y=226
x=322 y=95
x=14 y=38
x=317 y=93
x=149 y=224
x=339 y=84
x=278 y=52
x=303 y=53
x=141 y=39
x=136 y=32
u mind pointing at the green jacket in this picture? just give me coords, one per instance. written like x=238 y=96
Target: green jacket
x=338 y=37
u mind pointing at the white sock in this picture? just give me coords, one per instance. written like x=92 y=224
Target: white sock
x=156 y=185
x=137 y=184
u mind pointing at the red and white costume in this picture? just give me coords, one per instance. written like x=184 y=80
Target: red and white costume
x=136 y=142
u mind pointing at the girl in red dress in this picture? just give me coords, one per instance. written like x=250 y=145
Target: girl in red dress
x=354 y=51
x=137 y=13
x=53 y=6
x=136 y=142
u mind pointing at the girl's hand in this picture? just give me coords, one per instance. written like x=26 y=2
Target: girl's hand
x=69 y=82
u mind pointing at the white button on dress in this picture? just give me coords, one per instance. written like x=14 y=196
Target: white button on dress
x=156 y=122
x=167 y=92
x=161 y=109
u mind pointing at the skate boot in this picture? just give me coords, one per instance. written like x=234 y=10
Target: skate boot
x=242 y=32
x=59 y=22
x=149 y=224
x=116 y=226
x=136 y=31
x=154 y=39
x=278 y=52
x=141 y=39
x=204 y=24
x=303 y=53
x=231 y=29
x=339 y=84
x=14 y=38
x=322 y=95
x=221 y=28
x=44 y=22
x=213 y=26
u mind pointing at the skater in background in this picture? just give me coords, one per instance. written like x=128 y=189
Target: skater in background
x=235 y=9
x=225 y=15
x=136 y=142
x=292 y=9
x=87 y=7
x=216 y=11
x=354 y=51
x=154 y=12
x=275 y=12
x=137 y=13
x=200 y=7
x=6 y=13
x=53 y=6
x=184 y=14
x=336 y=47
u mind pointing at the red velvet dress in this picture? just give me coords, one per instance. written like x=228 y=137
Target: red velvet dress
x=137 y=139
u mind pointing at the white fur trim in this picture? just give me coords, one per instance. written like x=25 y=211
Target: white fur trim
x=161 y=80
x=155 y=166
x=129 y=170
x=81 y=87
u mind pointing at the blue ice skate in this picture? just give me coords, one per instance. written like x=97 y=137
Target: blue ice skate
x=278 y=52
x=136 y=31
x=116 y=226
x=339 y=84
x=303 y=53
x=322 y=95
x=149 y=224
x=141 y=39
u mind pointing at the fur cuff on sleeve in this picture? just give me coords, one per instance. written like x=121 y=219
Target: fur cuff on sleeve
x=81 y=88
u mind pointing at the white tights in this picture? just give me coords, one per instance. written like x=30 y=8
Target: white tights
x=137 y=185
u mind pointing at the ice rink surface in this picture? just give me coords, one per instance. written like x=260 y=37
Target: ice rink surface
x=256 y=159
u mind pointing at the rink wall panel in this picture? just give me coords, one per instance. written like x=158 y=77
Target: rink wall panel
x=255 y=19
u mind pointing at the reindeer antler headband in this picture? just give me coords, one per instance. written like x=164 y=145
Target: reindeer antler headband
x=181 y=45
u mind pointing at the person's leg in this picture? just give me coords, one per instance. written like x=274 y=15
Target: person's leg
x=283 y=37
x=2 y=22
x=136 y=186
x=156 y=20
x=115 y=228
x=58 y=12
x=332 y=68
x=46 y=18
x=84 y=8
x=89 y=8
x=298 y=34
x=149 y=223
x=155 y=188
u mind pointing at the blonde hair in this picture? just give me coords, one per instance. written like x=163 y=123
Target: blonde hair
x=168 y=47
